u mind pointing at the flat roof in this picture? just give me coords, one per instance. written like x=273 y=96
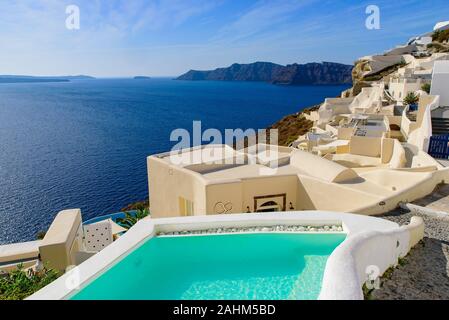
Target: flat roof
x=198 y=155
x=210 y=160
x=250 y=171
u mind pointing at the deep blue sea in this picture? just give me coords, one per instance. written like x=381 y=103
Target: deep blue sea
x=83 y=144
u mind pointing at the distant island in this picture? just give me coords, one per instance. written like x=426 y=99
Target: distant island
x=326 y=73
x=141 y=78
x=79 y=77
x=27 y=79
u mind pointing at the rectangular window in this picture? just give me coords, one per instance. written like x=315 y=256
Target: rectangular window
x=185 y=207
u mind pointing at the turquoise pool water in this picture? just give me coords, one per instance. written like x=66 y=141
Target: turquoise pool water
x=223 y=267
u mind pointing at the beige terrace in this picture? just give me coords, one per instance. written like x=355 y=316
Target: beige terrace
x=234 y=181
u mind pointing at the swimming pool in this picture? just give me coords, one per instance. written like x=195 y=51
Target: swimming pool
x=113 y=217
x=276 y=266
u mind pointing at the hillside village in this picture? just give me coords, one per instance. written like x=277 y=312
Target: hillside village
x=381 y=143
x=380 y=148
x=388 y=88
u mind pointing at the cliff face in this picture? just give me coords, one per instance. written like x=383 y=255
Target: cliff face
x=314 y=73
x=296 y=74
x=259 y=71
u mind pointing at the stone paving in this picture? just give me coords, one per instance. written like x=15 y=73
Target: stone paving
x=438 y=200
x=425 y=273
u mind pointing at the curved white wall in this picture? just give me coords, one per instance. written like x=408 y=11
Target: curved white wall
x=348 y=267
x=321 y=168
x=421 y=136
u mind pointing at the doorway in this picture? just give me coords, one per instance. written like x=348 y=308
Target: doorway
x=270 y=203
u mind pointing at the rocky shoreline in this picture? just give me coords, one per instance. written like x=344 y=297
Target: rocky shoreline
x=140 y=205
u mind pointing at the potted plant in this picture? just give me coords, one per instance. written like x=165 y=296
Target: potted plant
x=411 y=100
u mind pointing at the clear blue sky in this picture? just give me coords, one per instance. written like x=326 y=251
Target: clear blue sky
x=169 y=37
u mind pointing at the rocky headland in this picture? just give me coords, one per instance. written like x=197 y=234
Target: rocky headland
x=326 y=73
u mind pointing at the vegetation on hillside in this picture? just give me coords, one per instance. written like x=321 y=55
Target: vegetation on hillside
x=140 y=205
x=131 y=219
x=20 y=283
x=385 y=72
x=438 y=47
x=440 y=36
x=439 y=42
x=426 y=87
x=292 y=126
x=357 y=88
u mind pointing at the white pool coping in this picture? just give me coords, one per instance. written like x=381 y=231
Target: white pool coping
x=354 y=226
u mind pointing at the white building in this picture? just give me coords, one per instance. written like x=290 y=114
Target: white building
x=441 y=26
x=399 y=88
x=440 y=82
x=421 y=40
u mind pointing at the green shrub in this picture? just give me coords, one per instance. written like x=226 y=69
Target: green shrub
x=436 y=35
x=437 y=47
x=19 y=284
x=130 y=220
x=290 y=140
x=426 y=87
x=440 y=35
x=411 y=98
x=41 y=235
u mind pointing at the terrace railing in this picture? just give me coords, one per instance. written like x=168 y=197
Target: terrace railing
x=439 y=146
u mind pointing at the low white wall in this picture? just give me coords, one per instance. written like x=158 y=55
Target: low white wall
x=332 y=107
x=12 y=255
x=349 y=266
x=407 y=126
x=332 y=129
x=368 y=99
x=62 y=240
x=423 y=159
x=421 y=136
x=19 y=251
x=398 y=158
x=400 y=88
